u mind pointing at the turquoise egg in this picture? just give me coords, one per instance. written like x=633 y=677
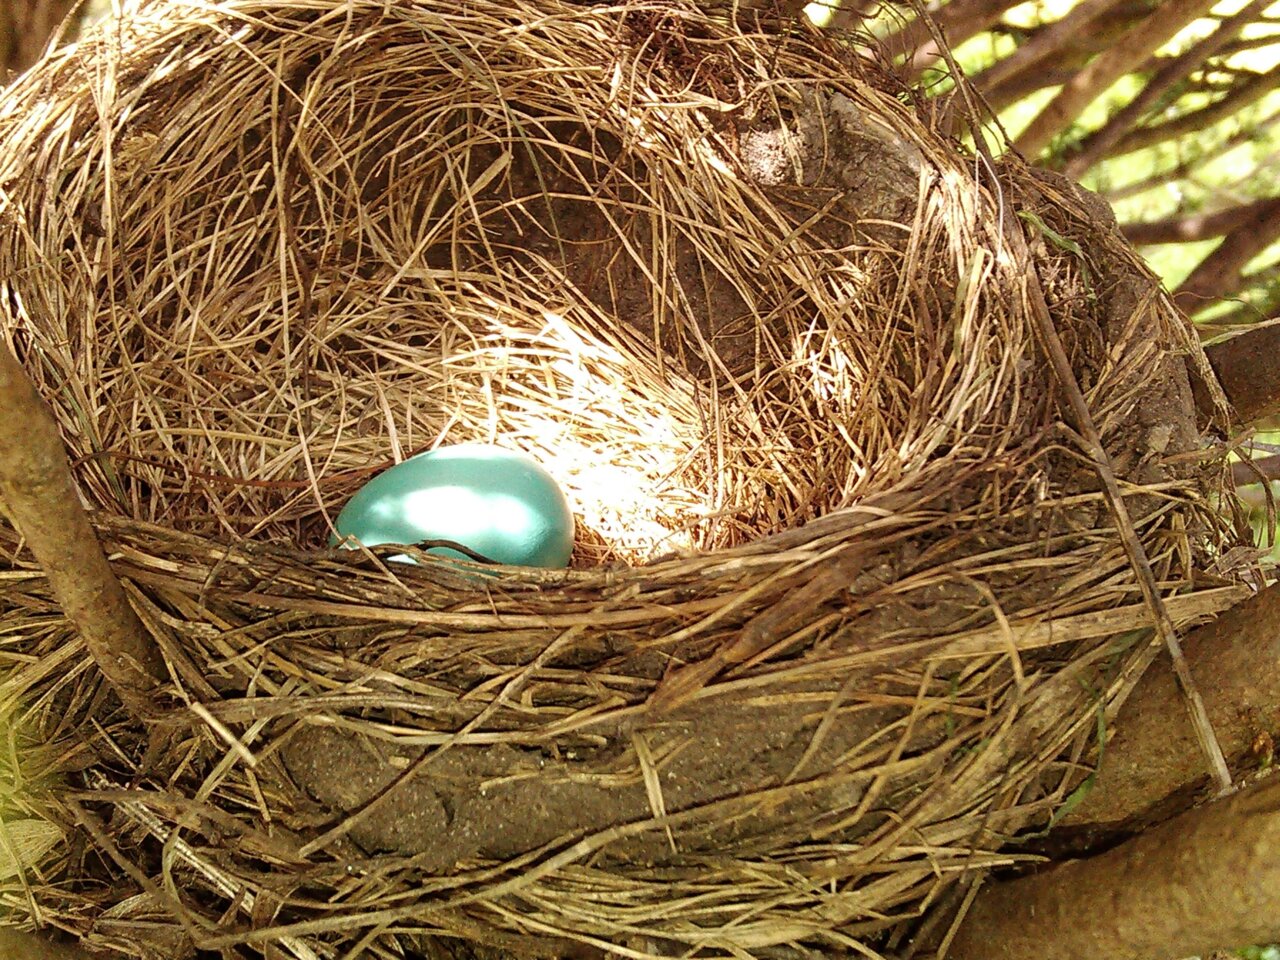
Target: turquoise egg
x=500 y=503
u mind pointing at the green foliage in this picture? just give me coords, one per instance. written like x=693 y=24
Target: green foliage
x=1201 y=173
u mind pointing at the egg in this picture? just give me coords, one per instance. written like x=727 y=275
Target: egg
x=499 y=503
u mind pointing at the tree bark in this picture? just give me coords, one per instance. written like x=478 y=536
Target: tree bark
x=1200 y=226
x=1098 y=145
x=1154 y=753
x=1206 y=880
x=1246 y=368
x=1136 y=45
x=1221 y=272
x=25 y=29
x=28 y=946
x=37 y=488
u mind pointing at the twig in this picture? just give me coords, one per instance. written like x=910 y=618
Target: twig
x=1093 y=448
x=40 y=495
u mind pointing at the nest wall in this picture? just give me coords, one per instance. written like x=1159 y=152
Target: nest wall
x=847 y=601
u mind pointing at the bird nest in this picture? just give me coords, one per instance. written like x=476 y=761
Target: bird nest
x=849 y=601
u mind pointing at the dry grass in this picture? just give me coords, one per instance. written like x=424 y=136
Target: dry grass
x=254 y=252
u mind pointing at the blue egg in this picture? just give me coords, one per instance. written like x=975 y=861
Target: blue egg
x=499 y=503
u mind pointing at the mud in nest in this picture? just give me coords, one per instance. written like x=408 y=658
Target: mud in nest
x=847 y=602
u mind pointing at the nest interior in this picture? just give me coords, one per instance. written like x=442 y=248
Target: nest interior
x=847 y=600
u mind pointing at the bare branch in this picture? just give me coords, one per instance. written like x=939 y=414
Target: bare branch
x=1229 y=104
x=1154 y=753
x=959 y=20
x=1199 y=226
x=1221 y=272
x=1252 y=43
x=1096 y=146
x=1261 y=470
x=852 y=14
x=1140 y=42
x=1183 y=168
x=1206 y=880
x=1257 y=302
x=1047 y=43
x=40 y=495
x=1062 y=55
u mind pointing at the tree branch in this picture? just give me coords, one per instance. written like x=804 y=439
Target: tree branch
x=1247 y=369
x=1144 y=39
x=40 y=494
x=1258 y=301
x=1246 y=133
x=1199 y=226
x=1154 y=753
x=1047 y=43
x=1098 y=144
x=1261 y=470
x=1252 y=43
x=1220 y=273
x=1003 y=87
x=1206 y=880
x=959 y=20
x=1228 y=105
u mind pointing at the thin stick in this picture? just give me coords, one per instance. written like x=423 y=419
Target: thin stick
x=1093 y=448
x=1124 y=524
x=40 y=495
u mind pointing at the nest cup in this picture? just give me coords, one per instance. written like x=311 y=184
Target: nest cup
x=833 y=633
